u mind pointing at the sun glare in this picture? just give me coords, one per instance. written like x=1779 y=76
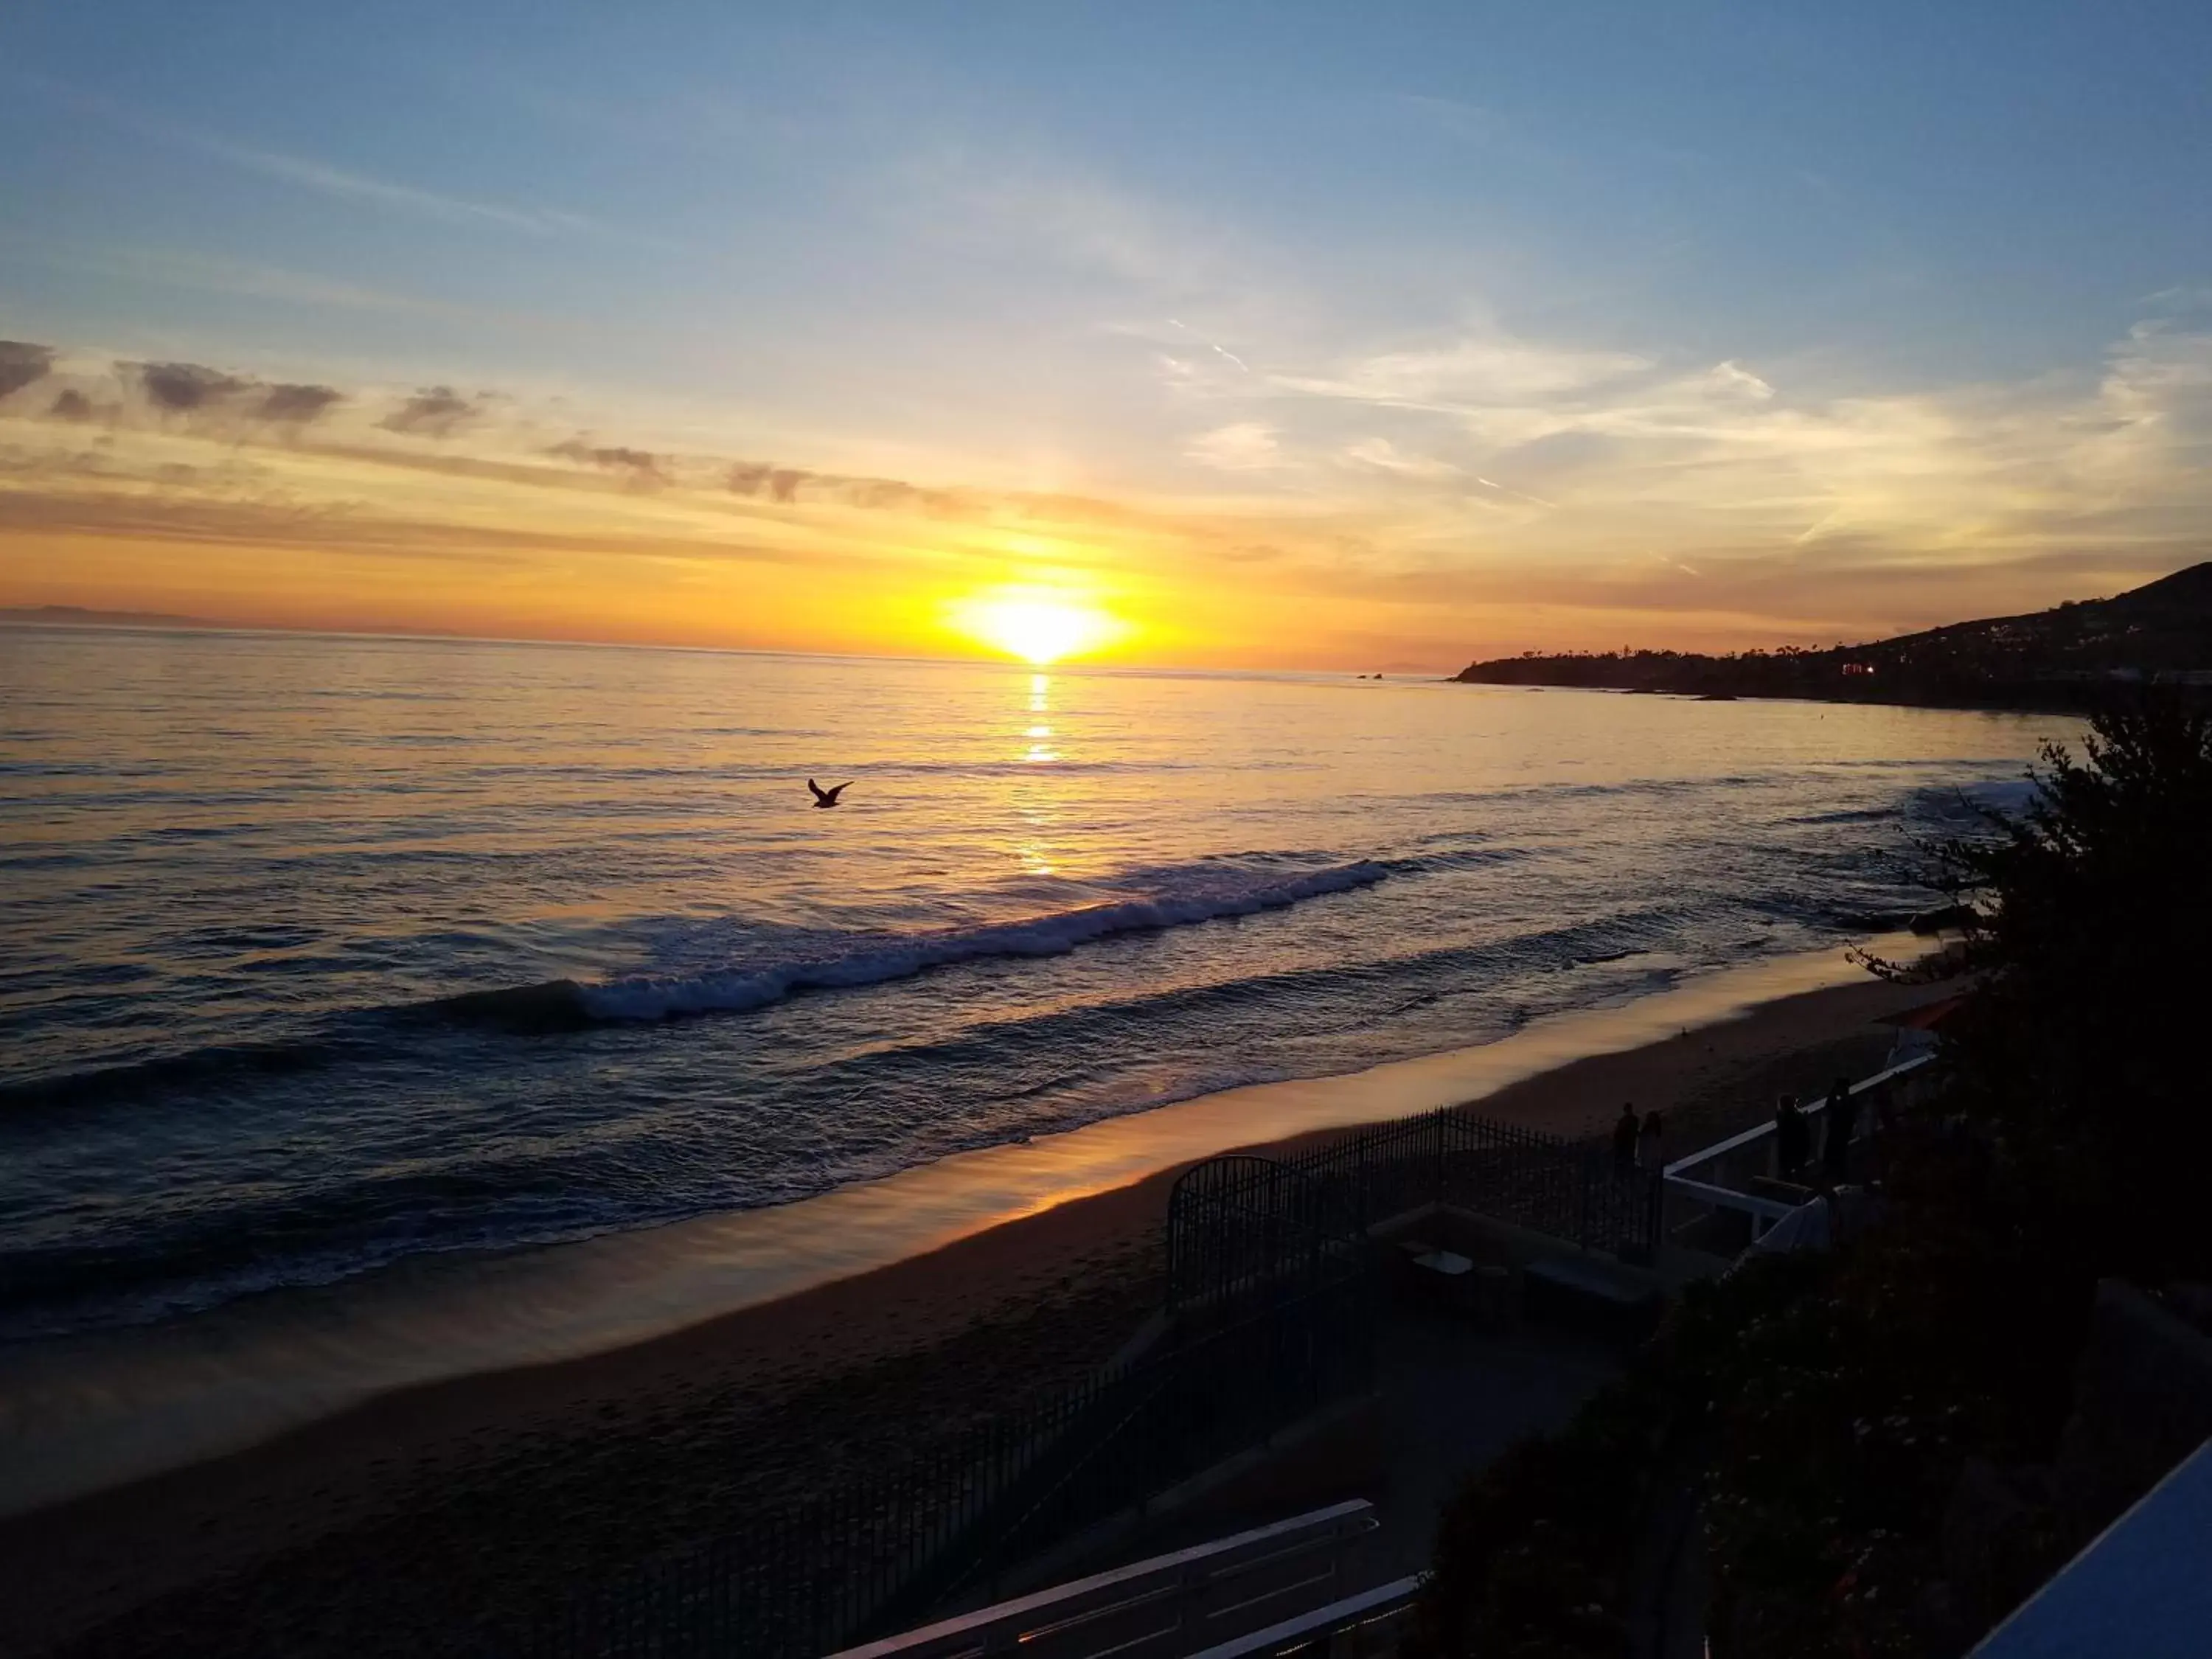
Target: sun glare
x=1034 y=626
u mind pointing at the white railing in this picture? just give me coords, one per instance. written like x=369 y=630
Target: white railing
x=1764 y=1210
x=1354 y=1628
x=1170 y=1604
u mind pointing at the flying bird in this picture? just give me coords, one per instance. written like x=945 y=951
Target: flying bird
x=825 y=798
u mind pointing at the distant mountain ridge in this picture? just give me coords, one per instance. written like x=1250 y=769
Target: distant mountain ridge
x=2061 y=658
x=78 y=615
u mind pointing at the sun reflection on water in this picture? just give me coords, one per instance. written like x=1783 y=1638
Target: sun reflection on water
x=1039 y=732
x=1038 y=844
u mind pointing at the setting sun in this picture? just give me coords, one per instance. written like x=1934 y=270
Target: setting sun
x=1036 y=626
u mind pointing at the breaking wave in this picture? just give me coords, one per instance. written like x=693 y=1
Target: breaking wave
x=872 y=959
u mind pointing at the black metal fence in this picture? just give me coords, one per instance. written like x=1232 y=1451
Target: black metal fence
x=1266 y=1262
x=1240 y=1227
x=881 y=1552
x=1243 y=1230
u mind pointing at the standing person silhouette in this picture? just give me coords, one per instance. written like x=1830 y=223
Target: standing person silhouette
x=1624 y=1139
x=1881 y=1131
x=1792 y=1139
x=1842 y=1112
x=1648 y=1142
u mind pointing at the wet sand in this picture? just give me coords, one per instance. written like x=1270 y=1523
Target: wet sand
x=461 y=1499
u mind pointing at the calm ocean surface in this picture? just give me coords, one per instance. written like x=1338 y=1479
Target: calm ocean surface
x=322 y=952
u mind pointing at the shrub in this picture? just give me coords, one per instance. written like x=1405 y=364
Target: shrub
x=2082 y=1045
x=1832 y=1407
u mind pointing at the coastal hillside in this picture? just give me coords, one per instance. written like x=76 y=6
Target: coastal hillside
x=2159 y=632
x=78 y=615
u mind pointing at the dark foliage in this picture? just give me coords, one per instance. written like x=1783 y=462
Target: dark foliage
x=2083 y=1045
x=1823 y=1407
x=1533 y=1556
x=1845 y=1416
x=1832 y=1410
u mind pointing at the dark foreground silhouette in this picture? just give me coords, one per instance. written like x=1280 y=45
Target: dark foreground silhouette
x=1892 y=1444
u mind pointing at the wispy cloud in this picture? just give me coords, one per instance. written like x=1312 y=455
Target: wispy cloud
x=291 y=404
x=1214 y=346
x=245 y=279
x=1522 y=495
x=1721 y=503
x=1244 y=447
x=1466 y=372
x=337 y=182
x=1384 y=456
x=436 y=412
x=1455 y=117
x=1158 y=256
x=159 y=413
x=311 y=172
x=178 y=388
x=21 y=364
x=639 y=467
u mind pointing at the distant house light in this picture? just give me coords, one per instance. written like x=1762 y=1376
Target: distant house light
x=1858 y=668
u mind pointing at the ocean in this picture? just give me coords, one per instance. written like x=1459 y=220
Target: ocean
x=328 y=953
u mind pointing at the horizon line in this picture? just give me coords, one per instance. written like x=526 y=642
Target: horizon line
x=26 y=617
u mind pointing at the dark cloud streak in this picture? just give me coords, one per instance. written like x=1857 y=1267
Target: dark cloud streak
x=193 y=388
x=434 y=411
x=273 y=520
x=180 y=388
x=295 y=405
x=640 y=466
x=22 y=364
x=788 y=485
x=237 y=407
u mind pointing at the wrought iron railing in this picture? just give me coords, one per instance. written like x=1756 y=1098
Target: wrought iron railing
x=881 y=1551
x=1267 y=1271
x=1240 y=1227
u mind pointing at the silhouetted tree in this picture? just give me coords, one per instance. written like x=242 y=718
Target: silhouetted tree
x=2086 y=1044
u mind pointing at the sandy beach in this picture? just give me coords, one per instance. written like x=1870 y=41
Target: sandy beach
x=464 y=1499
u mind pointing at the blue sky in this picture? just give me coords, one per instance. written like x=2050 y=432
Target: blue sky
x=1290 y=263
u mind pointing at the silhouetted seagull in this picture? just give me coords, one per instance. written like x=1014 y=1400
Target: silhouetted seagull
x=825 y=798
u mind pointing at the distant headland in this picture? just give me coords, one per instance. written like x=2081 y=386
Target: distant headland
x=78 y=615
x=2067 y=658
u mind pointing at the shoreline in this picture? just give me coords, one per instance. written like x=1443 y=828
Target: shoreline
x=2076 y=704
x=856 y=1280
x=83 y=1414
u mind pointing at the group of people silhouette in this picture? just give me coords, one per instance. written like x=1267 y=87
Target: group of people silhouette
x=1793 y=1134
x=1636 y=1140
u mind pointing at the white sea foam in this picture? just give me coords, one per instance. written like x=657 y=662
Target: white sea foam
x=874 y=959
x=407 y=1033
x=106 y=1406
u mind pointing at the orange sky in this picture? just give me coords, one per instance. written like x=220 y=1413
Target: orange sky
x=383 y=507
x=1380 y=337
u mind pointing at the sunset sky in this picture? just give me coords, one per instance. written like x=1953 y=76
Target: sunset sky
x=1352 y=337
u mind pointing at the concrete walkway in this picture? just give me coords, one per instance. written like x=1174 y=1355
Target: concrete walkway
x=1453 y=1396
x=1452 y=1393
